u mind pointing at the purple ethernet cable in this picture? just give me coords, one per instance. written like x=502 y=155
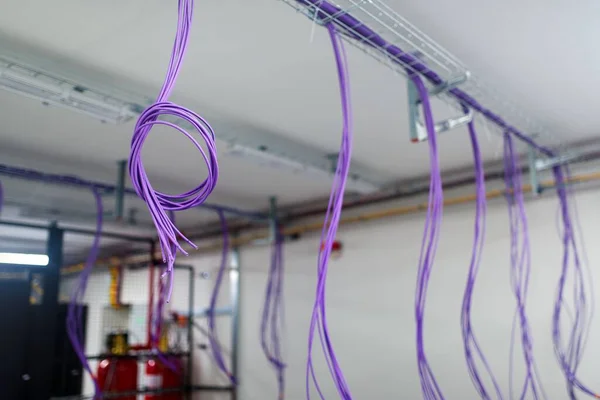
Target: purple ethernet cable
x=332 y=218
x=473 y=352
x=158 y=202
x=578 y=238
x=570 y=357
x=273 y=313
x=158 y=315
x=212 y=326
x=157 y=326
x=74 y=321
x=520 y=260
x=433 y=220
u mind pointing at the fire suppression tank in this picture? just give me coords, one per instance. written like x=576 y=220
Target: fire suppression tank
x=118 y=373
x=165 y=372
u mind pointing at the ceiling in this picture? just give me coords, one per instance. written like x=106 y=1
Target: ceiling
x=258 y=64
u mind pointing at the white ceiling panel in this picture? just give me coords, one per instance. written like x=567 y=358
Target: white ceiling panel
x=260 y=64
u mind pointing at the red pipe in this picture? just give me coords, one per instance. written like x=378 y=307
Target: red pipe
x=150 y=297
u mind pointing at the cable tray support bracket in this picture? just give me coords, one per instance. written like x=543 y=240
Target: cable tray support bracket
x=539 y=163
x=418 y=132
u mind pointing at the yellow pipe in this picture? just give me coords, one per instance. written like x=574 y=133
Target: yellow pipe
x=114 y=291
x=391 y=212
x=111 y=262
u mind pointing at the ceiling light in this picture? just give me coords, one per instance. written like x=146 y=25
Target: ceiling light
x=272 y=160
x=24 y=259
x=27 y=81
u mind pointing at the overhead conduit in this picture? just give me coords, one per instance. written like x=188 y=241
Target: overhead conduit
x=364 y=217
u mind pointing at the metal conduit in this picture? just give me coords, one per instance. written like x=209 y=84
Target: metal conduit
x=370 y=216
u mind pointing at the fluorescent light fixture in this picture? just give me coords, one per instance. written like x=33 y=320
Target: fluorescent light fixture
x=24 y=259
x=38 y=85
x=273 y=160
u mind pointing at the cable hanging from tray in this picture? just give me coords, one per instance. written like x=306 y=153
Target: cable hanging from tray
x=474 y=354
x=213 y=338
x=272 y=321
x=318 y=322
x=574 y=271
x=74 y=321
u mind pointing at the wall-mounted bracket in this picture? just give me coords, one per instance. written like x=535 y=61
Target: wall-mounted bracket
x=418 y=132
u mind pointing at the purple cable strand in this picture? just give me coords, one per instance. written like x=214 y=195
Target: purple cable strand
x=74 y=321
x=471 y=344
x=334 y=209
x=156 y=332
x=570 y=357
x=272 y=315
x=157 y=323
x=520 y=260
x=433 y=220
x=215 y=346
x=159 y=203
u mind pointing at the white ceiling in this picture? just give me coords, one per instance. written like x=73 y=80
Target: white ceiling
x=257 y=63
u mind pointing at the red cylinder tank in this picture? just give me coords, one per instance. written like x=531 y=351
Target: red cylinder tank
x=161 y=376
x=165 y=372
x=117 y=374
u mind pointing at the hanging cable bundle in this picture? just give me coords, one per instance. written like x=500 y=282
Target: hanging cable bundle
x=74 y=321
x=158 y=333
x=215 y=345
x=330 y=226
x=433 y=220
x=520 y=261
x=158 y=315
x=272 y=315
x=159 y=203
x=569 y=356
x=471 y=346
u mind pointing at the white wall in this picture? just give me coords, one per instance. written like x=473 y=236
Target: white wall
x=370 y=304
x=371 y=295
